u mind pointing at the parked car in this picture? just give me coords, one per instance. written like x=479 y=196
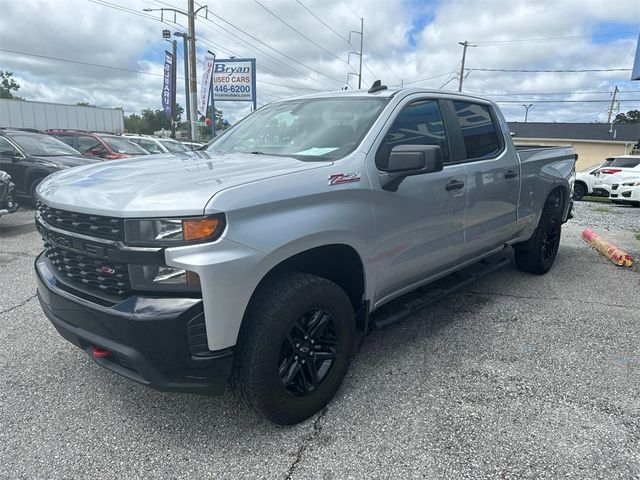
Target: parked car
x=585 y=180
x=627 y=192
x=158 y=145
x=259 y=258
x=620 y=169
x=193 y=145
x=108 y=147
x=29 y=157
x=8 y=202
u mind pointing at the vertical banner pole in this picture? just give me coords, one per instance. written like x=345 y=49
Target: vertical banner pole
x=253 y=83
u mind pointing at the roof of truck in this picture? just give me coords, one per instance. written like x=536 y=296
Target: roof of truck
x=387 y=93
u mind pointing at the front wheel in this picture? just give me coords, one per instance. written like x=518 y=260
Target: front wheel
x=295 y=346
x=32 y=189
x=579 y=191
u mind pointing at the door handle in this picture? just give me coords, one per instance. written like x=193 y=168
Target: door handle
x=454 y=185
x=510 y=174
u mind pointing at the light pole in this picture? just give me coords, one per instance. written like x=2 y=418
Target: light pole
x=185 y=38
x=526 y=111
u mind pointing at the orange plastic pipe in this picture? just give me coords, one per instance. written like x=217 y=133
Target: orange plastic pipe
x=609 y=250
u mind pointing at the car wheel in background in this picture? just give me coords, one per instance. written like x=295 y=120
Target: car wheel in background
x=579 y=191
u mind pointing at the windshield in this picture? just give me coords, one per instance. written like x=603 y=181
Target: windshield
x=121 y=145
x=324 y=128
x=44 y=146
x=173 y=146
x=625 y=162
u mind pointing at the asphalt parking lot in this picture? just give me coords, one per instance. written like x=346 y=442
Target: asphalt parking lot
x=517 y=376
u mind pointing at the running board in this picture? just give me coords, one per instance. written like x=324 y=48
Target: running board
x=412 y=302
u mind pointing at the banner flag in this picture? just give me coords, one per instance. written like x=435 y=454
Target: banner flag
x=209 y=60
x=167 y=88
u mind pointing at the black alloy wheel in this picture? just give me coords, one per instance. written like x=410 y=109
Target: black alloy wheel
x=294 y=346
x=579 y=191
x=308 y=353
x=550 y=241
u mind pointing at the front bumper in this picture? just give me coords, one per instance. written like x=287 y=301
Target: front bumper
x=155 y=341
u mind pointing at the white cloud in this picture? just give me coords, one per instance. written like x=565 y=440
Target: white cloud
x=88 y=32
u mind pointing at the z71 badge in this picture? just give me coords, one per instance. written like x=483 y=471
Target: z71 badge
x=339 y=178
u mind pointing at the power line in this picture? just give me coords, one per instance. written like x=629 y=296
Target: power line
x=270 y=47
x=301 y=34
x=516 y=94
x=628 y=100
x=429 y=78
x=550 y=39
x=548 y=71
x=321 y=21
x=79 y=62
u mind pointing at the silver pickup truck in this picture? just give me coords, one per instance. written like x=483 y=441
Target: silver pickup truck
x=260 y=258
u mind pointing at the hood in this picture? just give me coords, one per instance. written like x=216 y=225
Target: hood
x=67 y=161
x=161 y=185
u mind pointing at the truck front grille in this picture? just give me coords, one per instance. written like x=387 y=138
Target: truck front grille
x=98 y=226
x=91 y=273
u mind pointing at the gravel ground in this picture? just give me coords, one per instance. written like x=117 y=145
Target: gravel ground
x=517 y=376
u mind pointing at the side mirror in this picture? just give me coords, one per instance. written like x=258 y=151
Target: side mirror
x=408 y=160
x=12 y=154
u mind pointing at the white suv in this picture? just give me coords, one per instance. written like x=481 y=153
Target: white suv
x=585 y=180
x=621 y=168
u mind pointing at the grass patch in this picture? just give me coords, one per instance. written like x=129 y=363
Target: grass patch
x=604 y=210
x=596 y=199
x=638 y=236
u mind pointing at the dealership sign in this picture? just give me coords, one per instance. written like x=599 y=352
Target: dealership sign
x=234 y=80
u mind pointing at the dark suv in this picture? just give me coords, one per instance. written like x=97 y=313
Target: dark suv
x=109 y=147
x=29 y=157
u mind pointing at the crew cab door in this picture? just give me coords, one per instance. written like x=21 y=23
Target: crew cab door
x=420 y=226
x=493 y=177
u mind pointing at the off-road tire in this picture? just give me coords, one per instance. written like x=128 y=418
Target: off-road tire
x=538 y=253
x=275 y=307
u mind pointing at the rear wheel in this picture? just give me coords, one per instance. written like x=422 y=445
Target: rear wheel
x=538 y=253
x=579 y=191
x=295 y=346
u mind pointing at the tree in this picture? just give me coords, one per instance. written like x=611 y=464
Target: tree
x=632 y=116
x=150 y=121
x=7 y=85
x=84 y=104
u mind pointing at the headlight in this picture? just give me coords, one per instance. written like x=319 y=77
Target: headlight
x=163 y=278
x=170 y=232
x=635 y=183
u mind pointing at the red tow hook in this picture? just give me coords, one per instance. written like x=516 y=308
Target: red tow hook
x=99 y=352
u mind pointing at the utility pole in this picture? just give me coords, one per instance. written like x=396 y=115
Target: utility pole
x=526 y=111
x=191 y=81
x=361 y=33
x=186 y=82
x=361 y=42
x=192 y=75
x=613 y=102
x=464 y=44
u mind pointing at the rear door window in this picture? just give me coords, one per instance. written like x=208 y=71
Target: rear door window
x=419 y=123
x=481 y=139
x=625 y=162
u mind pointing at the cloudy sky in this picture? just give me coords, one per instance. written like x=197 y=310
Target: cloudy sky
x=301 y=46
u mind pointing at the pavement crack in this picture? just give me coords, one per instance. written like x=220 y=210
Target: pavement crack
x=19 y=305
x=317 y=428
x=528 y=297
